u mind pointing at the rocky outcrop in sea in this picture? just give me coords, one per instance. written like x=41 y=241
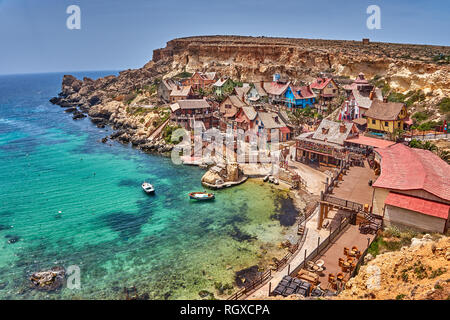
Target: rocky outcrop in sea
x=89 y=98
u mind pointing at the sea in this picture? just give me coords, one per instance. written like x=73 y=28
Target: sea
x=69 y=200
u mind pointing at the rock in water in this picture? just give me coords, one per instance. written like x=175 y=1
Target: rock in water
x=49 y=280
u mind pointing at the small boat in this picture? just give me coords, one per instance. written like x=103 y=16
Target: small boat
x=148 y=188
x=266 y=178
x=202 y=196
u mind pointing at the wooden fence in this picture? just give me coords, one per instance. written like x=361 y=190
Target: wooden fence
x=253 y=285
x=282 y=263
x=278 y=265
x=321 y=246
x=353 y=206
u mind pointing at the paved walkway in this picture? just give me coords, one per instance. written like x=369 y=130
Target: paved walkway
x=355 y=185
x=315 y=180
x=310 y=245
x=349 y=238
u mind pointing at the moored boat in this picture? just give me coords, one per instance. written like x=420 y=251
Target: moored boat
x=148 y=188
x=202 y=196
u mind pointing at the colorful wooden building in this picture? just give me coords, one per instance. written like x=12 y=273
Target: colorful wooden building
x=299 y=97
x=325 y=146
x=325 y=88
x=386 y=117
x=181 y=93
x=413 y=189
x=187 y=112
x=200 y=80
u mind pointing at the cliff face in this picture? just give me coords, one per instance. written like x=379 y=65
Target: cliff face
x=405 y=67
x=418 y=272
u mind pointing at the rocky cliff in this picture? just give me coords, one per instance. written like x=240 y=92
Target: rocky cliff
x=404 y=67
x=418 y=272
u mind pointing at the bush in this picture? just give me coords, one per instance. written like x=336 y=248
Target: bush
x=444 y=105
x=167 y=133
x=392 y=231
x=420 y=116
x=396 y=97
x=183 y=75
x=414 y=96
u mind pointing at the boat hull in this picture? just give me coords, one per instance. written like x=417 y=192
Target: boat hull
x=201 y=196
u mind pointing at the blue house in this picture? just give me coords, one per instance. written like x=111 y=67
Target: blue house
x=299 y=97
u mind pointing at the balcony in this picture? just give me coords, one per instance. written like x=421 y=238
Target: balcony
x=322 y=149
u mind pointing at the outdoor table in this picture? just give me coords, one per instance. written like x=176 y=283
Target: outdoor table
x=320 y=263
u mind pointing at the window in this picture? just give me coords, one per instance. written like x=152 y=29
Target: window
x=373 y=121
x=386 y=124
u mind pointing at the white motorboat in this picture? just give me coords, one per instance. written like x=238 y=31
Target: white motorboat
x=148 y=188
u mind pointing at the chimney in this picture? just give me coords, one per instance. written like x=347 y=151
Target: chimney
x=178 y=87
x=372 y=94
x=261 y=83
x=243 y=97
x=342 y=128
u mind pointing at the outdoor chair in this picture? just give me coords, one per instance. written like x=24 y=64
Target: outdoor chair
x=341 y=262
x=331 y=276
x=346 y=251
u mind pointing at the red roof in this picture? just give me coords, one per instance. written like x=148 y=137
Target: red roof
x=372 y=142
x=285 y=130
x=302 y=92
x=428 y=207
x=276 y=88
x=320 y=83
x=404 y=168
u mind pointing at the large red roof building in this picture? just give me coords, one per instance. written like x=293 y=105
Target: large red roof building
x=413 y=189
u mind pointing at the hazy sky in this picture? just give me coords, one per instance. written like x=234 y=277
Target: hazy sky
x=119 y=34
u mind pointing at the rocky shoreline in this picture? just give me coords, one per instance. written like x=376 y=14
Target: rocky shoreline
x=82 y=99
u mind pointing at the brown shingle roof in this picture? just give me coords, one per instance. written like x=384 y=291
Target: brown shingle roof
x=384 y=111
x=275 y=88
x=241 y=91
x=330 y=131
x=182 y=91
x=236 y=101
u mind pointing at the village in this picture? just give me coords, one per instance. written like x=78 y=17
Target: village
x=338 y=139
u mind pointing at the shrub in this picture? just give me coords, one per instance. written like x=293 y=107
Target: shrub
x=414 y=96
x=396 y=97
x=444 y=105
x=420 y=116
x=183 y=75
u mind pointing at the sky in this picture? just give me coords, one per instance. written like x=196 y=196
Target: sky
x=122 y=34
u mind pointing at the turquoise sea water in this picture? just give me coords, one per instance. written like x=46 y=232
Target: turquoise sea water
x=165 y=245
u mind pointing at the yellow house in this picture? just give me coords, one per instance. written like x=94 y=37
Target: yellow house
x=386 y=116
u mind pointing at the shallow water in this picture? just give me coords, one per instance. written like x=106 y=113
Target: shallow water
x=165 y=245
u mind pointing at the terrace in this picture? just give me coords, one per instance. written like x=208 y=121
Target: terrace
x=354 y=185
